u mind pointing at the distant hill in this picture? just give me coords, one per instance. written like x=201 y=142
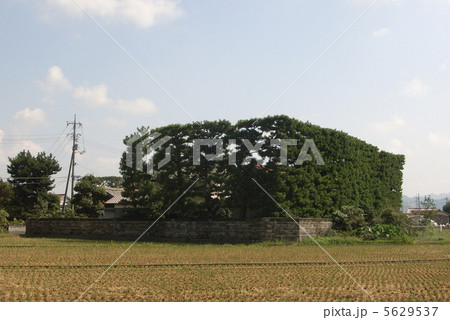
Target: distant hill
x=439 y=200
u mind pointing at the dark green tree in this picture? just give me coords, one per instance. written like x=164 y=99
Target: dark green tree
x=446 y=207
x=354 y=173
x=206 y=197
x=89 y=199
x=3 y=220
x=31 y=181
x=141 y=199
x=6 y=194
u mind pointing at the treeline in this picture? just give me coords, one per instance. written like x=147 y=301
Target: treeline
x=28 y=192
x=354 y=173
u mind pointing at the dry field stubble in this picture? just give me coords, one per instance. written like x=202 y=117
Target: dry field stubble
x=60 y=270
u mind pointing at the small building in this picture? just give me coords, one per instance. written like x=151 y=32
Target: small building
x=113 y=206
x=61 y=200
x=439 y=217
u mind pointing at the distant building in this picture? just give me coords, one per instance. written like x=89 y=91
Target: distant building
x=113 y=207
x=440 y=217
x=61 y=200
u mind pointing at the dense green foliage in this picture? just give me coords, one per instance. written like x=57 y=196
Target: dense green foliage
x=355 y=173
x=6 y=194
x=89 y=199
x=348 y=218
x=389 y=224
x=446 y=207
x=393 y=217
x=3 y=220
x=381 y=231
x=31 y=182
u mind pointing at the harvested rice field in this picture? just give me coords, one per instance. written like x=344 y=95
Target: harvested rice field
x=36 y=269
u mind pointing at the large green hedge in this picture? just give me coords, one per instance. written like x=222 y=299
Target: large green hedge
x=354 y=174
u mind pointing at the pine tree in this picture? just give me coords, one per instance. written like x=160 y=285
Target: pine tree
x=89 y=199
x=32 y=183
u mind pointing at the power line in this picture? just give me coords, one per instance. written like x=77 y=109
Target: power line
x=30 y=135
x=104 y=147
x=39 y=134
x=61 y=135
x=31 y=178
x=61 y=148
x=49 y=140
x=93 y=171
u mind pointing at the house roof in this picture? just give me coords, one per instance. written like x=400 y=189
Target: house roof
x=115 y=199
x=423 y=210
x=115 y=195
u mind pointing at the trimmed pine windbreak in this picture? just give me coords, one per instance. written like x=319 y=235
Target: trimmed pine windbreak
x=355 y=173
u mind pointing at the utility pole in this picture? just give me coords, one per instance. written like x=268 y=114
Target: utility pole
x=71 y=174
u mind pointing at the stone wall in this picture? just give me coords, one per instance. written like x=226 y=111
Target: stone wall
x=258 y=229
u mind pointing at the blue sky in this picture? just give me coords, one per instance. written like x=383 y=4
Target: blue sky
x=386 y=81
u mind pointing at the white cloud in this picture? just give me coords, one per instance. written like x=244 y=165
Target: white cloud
x=382 y=32
x=54 y=82
x=416 y=88
x=439 y=141
x=397 y=146
x=118 y=123
x=143 y=13
x=387 y=126
x=95 y=96
x=13 y=148
x=98 y=97
x=444 y=65
x=136 y=106
x=29 y=116
x=31 y=146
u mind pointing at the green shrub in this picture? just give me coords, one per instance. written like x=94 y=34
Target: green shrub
x=16 y=222
x=381 y=231
x=4 y=220
x=403 y=239
x=331 y=240
x=394 y=217
x=348 y=218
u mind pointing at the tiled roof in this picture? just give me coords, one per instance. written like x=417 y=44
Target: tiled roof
x=114 y=191
x=115 y=199
x=115 y=194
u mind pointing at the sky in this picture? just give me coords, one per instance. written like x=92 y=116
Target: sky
x=378 y=72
